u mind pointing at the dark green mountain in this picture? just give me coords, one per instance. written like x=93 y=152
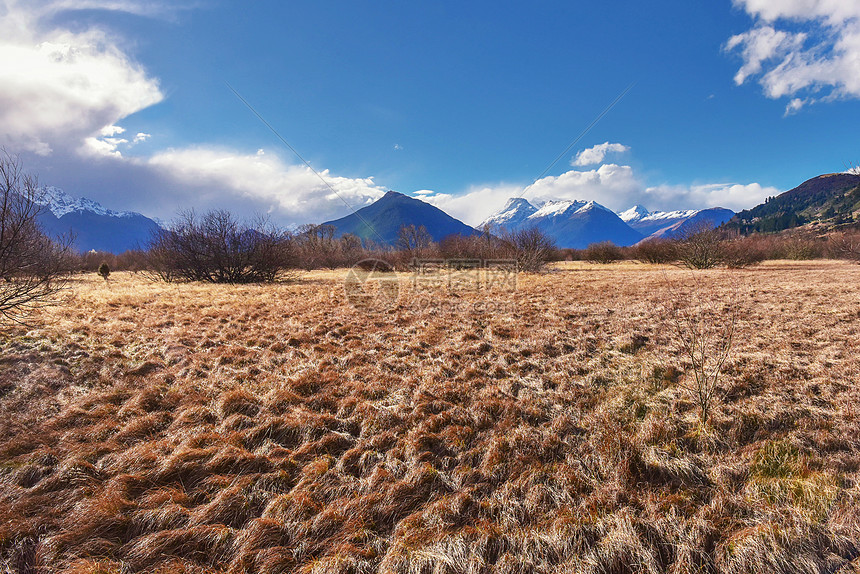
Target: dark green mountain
x=829 y=199
x=381 y=221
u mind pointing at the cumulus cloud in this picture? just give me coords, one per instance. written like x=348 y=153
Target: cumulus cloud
x=63 y=88
x=806 y=50
x=595 y=155
x=291 y=192
x=734 y=196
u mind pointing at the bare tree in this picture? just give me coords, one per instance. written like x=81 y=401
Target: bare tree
x=701 y=246
x=705 y=332
x=413 y=240
x=603 y=252
x=846 y=245
x=33 y=267
x=655 y=251
x=531 y=247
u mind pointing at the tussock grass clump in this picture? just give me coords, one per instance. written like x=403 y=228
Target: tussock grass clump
x=279 y=431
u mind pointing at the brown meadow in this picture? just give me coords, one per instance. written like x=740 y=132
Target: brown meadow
x=212 y=428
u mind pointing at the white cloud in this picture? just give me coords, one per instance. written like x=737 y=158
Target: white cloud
x=732 y=196
x=62 y=89
x=595 y=155
x=819 y=63
x=614 y=186
x=292 y=192
x=474 y=205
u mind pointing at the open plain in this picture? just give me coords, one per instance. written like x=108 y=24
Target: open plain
x=549 y=428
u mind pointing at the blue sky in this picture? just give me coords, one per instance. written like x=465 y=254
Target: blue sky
x=463 y=104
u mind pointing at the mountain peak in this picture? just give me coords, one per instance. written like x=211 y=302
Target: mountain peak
x=381 y=221
x=61 y=203
x=635 y=213
x=516 y=210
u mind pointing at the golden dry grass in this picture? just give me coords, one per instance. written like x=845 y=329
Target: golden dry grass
x=201 y=428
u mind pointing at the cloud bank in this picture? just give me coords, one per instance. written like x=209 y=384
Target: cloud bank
x=805 y=50
x=65 y=94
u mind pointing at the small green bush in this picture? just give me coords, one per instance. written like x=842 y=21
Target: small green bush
x=104 y=271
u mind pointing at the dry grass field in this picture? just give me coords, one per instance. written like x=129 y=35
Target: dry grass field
x=199 y=428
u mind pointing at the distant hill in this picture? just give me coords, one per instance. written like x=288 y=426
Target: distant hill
x=381 y=221
x=573 y=224
x=93 y=226
x=830 y=199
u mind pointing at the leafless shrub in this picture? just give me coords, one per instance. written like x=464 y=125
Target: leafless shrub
x=33 y=267
x=743 y=252
x=701 y=247
x=531 y=247
x=705 y=334
x=217 y=248
x=801 y=247
x=845 y=245
x=603 y=252
x=484 y=246
x=655 y=251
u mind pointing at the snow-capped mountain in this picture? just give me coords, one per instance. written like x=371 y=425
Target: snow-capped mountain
x=93 y=226
x=511 y=216
x=575 y=224
x=635 y=213
x=670 y=223
x=61 y=203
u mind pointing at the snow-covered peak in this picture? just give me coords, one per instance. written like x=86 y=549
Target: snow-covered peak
x=61 y=203
x=515 y=210
x=516 y=203
x=593 y=205
x=555 y=208
x=638 y=213
x=666 y=215
x=635 y=213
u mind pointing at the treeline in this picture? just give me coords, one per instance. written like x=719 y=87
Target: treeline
x=707 y=248
x=217 y=247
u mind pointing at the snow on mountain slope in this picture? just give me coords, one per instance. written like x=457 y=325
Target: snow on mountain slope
x=93 y=226
x=635 y=213
x=61 y=203
x=515 y=211
x=574 y=224
x=650 y=222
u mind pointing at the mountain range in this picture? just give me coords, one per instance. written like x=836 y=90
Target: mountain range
x=571 y=224
x=93 y=226
x=575 y=224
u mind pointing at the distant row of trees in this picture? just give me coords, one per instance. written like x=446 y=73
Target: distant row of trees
x=216 y=247
x=706 y=248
